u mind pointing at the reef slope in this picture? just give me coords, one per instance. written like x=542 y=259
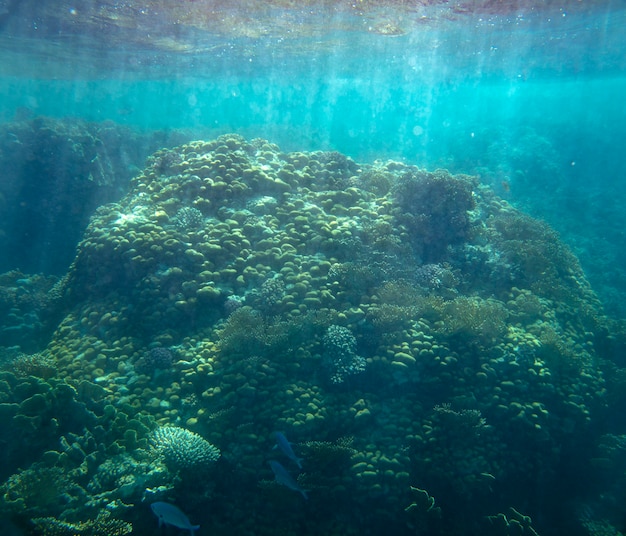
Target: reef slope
x=416 y=337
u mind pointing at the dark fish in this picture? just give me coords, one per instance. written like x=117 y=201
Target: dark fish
x=283 y=477
x=285 y=448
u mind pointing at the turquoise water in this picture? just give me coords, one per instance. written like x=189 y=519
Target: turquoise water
x=554 y=143
x=436 y=355
x=582 y=119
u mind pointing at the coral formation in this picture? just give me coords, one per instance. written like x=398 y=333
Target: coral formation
x=104 y=524
x=40 y=365
x=237 y=290
x=183 y=449
x=509 y=524
x=188 y=219
x=30 y=308
x=434 y=208
x=340 y=355
x=155 y=359
x=36 y=489
x=65 y=168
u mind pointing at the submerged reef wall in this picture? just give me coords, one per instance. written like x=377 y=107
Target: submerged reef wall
x=431 y=353
x=55 y=172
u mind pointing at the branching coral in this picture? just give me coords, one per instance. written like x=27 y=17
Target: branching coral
x=40 y=365
x=188 y=219
x=340 y=356
x=537 y=258
x=34 y=491
x=247 y=332
x=183 y=449
x=434 y=209
x=484 y=320
x=514 y=523
x=334 y=454
x=104 y=524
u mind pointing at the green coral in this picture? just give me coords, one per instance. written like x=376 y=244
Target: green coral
x=247 y=332
x=325 y=454
x=340 y=356
x=40 y=365
x=511 y=524
x=423 y=515
x=434 y=207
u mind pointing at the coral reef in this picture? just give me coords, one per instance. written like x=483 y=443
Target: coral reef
x=340 y=355
x=183 y=449
x=188 y=219
x=65 y=168
x=237 y=290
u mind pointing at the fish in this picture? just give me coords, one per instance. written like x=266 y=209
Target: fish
x=173 y=516
x=283 y=477
x=285 y=448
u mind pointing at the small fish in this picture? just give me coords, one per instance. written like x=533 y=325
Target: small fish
x=283 y=477
x=171 y=515
x=285 y=448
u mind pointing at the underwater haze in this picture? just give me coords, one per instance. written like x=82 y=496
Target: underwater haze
x=529 y=96
x=312 y=267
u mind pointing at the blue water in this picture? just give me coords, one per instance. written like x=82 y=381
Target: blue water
x=555 y=142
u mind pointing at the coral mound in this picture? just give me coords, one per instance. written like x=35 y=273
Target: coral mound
x=449 y=336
